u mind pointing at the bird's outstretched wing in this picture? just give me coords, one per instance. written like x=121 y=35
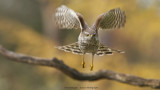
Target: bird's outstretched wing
x=113 y=19
x=104 y=50
x=74 y=48
x=67 y=18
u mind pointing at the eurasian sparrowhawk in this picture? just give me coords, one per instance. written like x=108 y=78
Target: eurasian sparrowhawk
x=88 y=41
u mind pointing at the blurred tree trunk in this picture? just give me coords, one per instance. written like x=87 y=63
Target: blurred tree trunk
x=47 y=10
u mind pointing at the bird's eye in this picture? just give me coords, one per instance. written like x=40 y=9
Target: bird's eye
x=87 y=35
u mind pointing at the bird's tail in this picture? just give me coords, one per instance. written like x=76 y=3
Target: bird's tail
x=104 y=50
x=74 y=48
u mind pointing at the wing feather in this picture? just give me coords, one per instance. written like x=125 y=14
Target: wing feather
x=113 y=19
x=67 y=18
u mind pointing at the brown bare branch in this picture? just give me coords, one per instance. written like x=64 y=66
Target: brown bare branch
x=73 y=73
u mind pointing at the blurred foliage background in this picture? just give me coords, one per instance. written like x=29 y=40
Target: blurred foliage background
x=27 y=26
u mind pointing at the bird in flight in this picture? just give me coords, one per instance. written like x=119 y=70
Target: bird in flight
x=88 y=41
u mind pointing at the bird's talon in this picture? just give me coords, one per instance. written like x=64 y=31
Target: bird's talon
x=91 y=68
x=83 y=63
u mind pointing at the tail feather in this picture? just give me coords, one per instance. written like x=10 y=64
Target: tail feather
x=74 y=48
x=104 y=50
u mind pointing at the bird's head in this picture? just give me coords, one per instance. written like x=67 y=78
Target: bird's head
x=89 y=34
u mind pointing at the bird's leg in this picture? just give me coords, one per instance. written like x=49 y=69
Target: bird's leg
x=92 y=62
x=83 y=63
